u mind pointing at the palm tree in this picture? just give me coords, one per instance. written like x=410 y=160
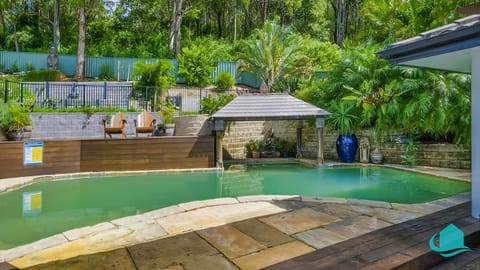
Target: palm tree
x=273 y=54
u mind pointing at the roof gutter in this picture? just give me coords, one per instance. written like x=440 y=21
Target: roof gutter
x=398 y=51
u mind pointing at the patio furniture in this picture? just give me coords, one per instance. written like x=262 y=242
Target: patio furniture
x=144 y=123
x=115 y=125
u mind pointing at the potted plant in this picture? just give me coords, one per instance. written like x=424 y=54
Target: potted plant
x=253 y=148
x=167 y=112
x=343 y=120
x=13 y=120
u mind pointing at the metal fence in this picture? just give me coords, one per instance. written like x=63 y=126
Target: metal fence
x=121 y=68
x=122 y=95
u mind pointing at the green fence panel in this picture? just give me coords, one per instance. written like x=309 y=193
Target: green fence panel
x=121 y=68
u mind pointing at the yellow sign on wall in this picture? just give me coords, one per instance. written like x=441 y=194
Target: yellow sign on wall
x=32 y=153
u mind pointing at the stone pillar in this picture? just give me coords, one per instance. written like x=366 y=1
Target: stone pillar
x=320 y=123
x=475 y=107
x=219 y=133
x=299 y=138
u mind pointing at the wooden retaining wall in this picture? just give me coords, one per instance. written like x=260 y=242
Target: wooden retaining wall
x=73 y=156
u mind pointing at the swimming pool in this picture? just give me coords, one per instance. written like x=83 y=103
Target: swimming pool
x=46 y=208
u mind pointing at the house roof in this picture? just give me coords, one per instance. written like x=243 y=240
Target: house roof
x=453 y=42
x=268 y=107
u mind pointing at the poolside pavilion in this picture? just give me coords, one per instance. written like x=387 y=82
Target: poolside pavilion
x=452 y=47
x=261 y=107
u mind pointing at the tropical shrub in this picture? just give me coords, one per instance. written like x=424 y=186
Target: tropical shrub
x=225 y=81
x=159 y=74
x=210 y=104
x=44 y=75
x=195 y=64
x=274 y=54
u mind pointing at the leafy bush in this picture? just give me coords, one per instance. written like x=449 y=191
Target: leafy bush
x=195 y=65
x=211 y=104
x=159 y=74
x=225 y=81
x=5 y=116
x=105 y=73
x=45 y=75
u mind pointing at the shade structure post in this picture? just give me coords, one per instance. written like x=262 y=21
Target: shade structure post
x=299 y=138
x=475 y=113
x=219 y=127
x=320 y=123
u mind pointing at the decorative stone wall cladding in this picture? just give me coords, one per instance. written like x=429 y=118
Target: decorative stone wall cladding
x=193 y=125
x=436 y=155
x=76 y=125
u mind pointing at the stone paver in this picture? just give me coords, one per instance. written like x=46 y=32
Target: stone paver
x=355 y=226
x=272 y=255
x=421 y=208
x=320 y=237
x=82 y=232
x=213 y=202
x=216 y=215
x=338 y=210
x=230 y=241
x=262 y=233
x=169 y=251
x=114 y=260
x=299 y=220
x=209 y=262
x=386 y=214
x=100 y=242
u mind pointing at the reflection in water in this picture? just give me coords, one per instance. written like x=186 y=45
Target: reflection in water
x=32 y=203
x=237 y=182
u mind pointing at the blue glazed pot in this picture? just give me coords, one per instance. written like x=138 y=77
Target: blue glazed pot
x=347 y=146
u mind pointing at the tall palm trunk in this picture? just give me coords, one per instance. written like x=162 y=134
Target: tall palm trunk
x=175 y=31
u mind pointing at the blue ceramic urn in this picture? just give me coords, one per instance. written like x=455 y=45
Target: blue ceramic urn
x=347 y=146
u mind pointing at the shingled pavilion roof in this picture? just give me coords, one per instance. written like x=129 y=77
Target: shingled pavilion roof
x=268 y=107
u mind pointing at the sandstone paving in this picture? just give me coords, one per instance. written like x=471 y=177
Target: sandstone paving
x=100 y=242
x=320 y=237
x=338 y=210
x=421 y=208
x=174 y=267
x=230 y=241
x=170 y=251
x=248 y=235
x=216 y=215
x=262 y=233
x=209 y=262
x=356 y=226
x=113 y=260
x=272 y=255
x=298 y=220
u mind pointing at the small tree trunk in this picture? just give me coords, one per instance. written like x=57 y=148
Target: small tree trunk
x=175 y=31
x=56 y=25
x=81 y=45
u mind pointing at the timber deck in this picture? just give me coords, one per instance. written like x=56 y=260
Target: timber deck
x=401 y=246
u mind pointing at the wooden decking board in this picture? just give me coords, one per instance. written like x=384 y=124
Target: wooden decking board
x=461 y=262
x=402 y=246
x=378 y=239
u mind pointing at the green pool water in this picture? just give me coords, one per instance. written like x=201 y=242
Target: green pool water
x=82 y=202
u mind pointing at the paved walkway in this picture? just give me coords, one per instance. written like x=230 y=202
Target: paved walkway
x=300 y=227
x=230 y=233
